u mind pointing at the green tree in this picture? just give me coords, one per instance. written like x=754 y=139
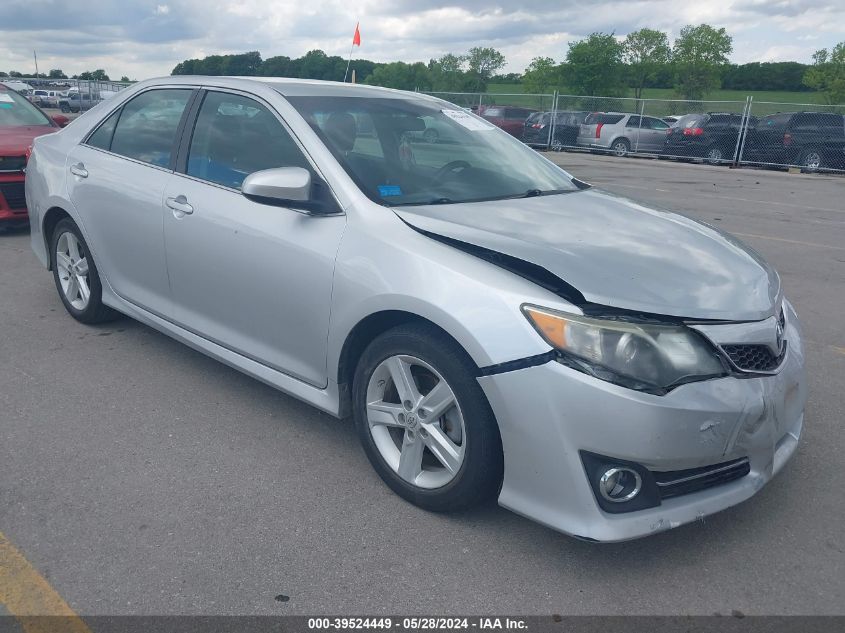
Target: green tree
x=827 y=74
x=541 y=75
x=400 y=75
x=125 y=79
x=448 y=73
x=483 y=63
x=3 y=73
x=242 y=64
x=595 y=66
x=94 y=75
x=278 y=66
x=700 y=55
x=56 y=73
x=645 y=52
x=15 y=73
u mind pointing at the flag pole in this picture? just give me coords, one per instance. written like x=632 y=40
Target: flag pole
x=356 y=39
x=348 y=61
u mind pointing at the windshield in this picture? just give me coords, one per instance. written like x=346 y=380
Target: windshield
x=16 y=110
x=415 y=151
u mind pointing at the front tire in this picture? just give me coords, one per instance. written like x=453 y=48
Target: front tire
x=811 y=160
x=424 y=422
x=76 y=276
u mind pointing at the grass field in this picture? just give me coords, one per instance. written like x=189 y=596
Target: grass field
x=777 y=96
x=734 y=100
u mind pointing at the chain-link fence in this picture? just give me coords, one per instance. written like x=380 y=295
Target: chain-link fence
x=748 y=132
x=67 y=95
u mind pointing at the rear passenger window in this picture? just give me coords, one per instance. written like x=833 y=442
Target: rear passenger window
x=146 y=130
x=654 y=124
x=634 y=121
x=235 y=136
x=101 y=138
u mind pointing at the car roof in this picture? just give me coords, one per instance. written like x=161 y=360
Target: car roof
x=289 y=87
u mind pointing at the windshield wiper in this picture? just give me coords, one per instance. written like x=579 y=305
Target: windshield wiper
x=441 y=201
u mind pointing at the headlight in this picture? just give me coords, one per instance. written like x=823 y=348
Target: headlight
x=640 y=356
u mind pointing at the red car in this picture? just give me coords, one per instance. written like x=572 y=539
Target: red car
x=20 y=122
x=510 y=118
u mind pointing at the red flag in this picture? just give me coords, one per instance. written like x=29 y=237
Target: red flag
x=356 y=39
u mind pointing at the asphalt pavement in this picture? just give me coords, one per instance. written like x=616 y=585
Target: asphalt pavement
x=138 y=476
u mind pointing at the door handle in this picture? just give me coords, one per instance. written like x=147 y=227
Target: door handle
x=180 y=204
x=79 y=170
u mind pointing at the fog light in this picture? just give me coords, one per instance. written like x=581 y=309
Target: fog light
x=620 y=484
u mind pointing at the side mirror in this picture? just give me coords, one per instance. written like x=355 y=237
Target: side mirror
x=60 y=119
x=282 y=185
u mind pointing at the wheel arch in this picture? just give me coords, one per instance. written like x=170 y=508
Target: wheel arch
x=364 y=332
x=51 y=218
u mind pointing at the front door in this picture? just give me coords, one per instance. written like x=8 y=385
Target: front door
x=254 y=278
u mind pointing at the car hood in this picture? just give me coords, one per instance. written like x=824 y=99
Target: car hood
x=616 y=252
x=15 y=140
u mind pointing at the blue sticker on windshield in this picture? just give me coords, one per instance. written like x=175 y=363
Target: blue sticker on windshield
x=385 y=191
x=6 y=106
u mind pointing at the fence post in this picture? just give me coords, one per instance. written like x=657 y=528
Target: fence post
x=742 y=123
x=553 y=121
x=640 y=126
x=480 y=100
x=744 y=130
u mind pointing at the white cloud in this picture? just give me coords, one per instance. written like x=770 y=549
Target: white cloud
x=142 y=38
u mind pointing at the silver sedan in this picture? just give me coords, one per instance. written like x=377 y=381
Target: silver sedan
x=495 y=327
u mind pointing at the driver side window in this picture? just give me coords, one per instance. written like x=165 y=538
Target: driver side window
x=235 y=136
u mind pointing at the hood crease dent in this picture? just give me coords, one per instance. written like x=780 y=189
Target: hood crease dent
x=607 y=254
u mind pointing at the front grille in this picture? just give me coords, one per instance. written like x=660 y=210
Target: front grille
x=681 y=482
x=14 y=194
x=754 y=357
x=12 y=163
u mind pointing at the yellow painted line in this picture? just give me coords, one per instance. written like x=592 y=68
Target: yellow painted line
x=28 y=596
x=783 y=239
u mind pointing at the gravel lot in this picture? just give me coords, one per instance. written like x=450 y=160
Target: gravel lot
x=140 y=477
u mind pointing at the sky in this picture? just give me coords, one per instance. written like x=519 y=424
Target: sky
x=147 y=38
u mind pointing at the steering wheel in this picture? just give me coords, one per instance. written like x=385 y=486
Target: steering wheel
x=449 y=167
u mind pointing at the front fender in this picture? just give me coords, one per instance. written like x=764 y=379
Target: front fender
x=389 y=266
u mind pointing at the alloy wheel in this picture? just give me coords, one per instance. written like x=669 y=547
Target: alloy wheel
x=812 y=160
x=72 y=265
x=620 y=148
x=415 y=421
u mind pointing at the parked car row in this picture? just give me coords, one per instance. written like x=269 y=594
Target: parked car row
x=812 y=140
x=20 y=123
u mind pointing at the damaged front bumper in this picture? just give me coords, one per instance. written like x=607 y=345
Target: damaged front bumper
x=550 y=415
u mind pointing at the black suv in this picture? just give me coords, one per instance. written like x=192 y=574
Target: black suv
x=712 y=136
x=812 y=140
x=536 y=131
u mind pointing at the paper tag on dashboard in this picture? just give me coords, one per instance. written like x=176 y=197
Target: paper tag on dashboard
x=467 y=120
x=6 y=98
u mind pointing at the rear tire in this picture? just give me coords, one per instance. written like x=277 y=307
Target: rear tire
x=76 y=276
x=715 y=155
x=454 y=452
x=621 y=147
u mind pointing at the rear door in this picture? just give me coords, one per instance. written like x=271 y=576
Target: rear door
x=652 y=134
x=254 y=278
x=116 y=180
x=765 y=141
x=632 y=133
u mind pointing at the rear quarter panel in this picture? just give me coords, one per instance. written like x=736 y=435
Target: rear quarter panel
x=46 y=188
